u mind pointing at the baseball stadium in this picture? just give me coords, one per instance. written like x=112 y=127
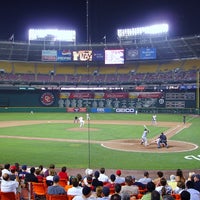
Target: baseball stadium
x=45 y=84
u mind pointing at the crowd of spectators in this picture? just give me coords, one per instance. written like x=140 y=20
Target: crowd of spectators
x=99 y=185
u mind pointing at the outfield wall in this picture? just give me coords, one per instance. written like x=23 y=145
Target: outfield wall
x=98 y=101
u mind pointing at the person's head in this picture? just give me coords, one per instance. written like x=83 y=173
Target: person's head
x=56 y=179
x=125 y=196
x=99 y=191
x=24 y=167
x=79 y=177
x=168 y=197
x=160 y=174
x=163 y=181
x=75 y=182
x=179 y=172
x=96 y=174
x=189 y=184
x=146 y=174
x=196 y=177
x=185 y=195
x=32 y=170
x=155 y=195
x=115 y=197
x=118 y=172
x=150 y=186
x=51 y=166
x=64 y=169
x=13 y=169
x=86 y=191
x=128 y=180
x=6 y=177
x=172 y=177
x=118 y=187
x=37 y=171
x=106 y=191
x=52 y=172
x=102 y=170
x=7 y=166
x=112 y=177
x=89 y=179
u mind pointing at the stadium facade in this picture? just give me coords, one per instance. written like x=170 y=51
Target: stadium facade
x=148 y=75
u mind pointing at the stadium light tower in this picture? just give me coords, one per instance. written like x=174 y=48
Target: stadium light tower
x=52 y=35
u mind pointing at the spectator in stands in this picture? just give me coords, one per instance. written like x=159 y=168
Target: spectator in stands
x=119 y=179
x=139 y=184
x=24 y=172
x=105 y=193
x=8 y=185
x=31 y=177
x=179 y=176
x=197 y=182
x=49 y=178
x=185 y=195
x=42 y=170
x=179 y=188
x=167 y=197
x=129 y=187
x=150 y=188
x=80 y=179
x=13 y=174
x=99 y=190
x=115 y=197
x=103 y=177
x=164 y=189
x=56 y=188
x=172 y=182
x=63 y=174
x=86 y=194
x=111 y=183
x=88 y=172
x=194 y=194
x=157 y=180
x=18 y=169
x=155 y=195
x=95 y=181
x=51 y=167
x=39 y=176
x=6 y=169
x=145 y=179
x=76 y=189
x=118 y=188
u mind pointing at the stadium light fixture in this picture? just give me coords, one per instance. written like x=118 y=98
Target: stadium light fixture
x=156 y=29
x=52 y=35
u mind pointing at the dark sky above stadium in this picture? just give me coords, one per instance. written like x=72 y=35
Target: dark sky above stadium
x=105 y=17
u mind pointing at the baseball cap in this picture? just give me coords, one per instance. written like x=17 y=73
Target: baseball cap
x=106 y=191
x=13 y=167
x=56 y=178
x=118 y=172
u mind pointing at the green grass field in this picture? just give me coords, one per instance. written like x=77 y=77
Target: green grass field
x=83 y=155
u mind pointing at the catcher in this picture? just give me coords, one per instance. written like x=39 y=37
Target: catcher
x=162 y=141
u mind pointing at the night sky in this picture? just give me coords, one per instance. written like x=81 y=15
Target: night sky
x=105 y=17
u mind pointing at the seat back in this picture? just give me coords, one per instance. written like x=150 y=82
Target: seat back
x=63 y=182
x=56 y=197
x=7 y=196
x=39 y=188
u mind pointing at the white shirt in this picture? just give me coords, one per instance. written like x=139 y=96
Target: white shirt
x=5 y=171
x=9 y=186
x=75 y=191
x=103 y=178
x=194 y=194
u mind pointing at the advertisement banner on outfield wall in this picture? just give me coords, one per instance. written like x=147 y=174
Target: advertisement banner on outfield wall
x=76 y=109
x=64 y=55
x=101 y=110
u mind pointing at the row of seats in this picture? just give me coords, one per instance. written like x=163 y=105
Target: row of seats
x=59 y=68
x=189 y=76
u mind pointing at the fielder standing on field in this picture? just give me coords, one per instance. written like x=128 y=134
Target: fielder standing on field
x=144 y=137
